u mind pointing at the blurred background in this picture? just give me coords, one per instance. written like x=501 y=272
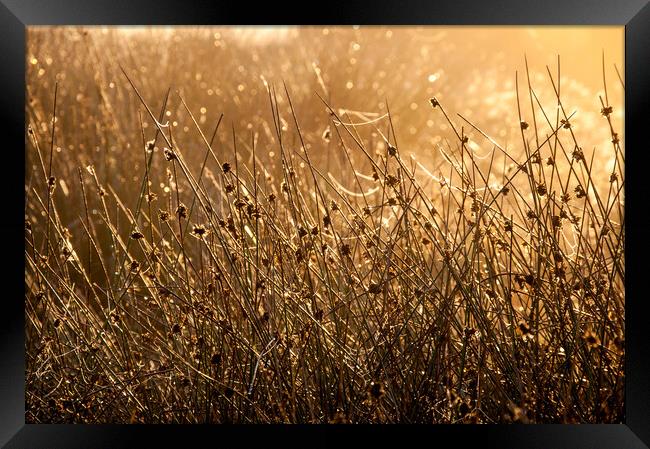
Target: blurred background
x=369 y=69
x=361 y=72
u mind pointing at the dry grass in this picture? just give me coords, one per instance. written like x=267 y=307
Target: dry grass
x=308 y=268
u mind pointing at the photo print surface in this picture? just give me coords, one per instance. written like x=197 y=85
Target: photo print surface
x=350 y=224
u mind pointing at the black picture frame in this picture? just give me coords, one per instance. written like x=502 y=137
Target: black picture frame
x=16 y=15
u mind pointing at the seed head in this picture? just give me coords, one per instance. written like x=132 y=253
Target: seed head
x=169 y=154
x=530 y=279
x=523 y=329
x=557 y=221
x=199 y=231
x=469 y=331
x=580 y=191
x=578 y=155
x=374 y=288
x=392 y=180
x=606 y=111
x=591 y=339
x=181 y=211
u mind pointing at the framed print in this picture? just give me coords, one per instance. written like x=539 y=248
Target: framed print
x=385 y=222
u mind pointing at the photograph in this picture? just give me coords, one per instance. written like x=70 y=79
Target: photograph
x=311 y=224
